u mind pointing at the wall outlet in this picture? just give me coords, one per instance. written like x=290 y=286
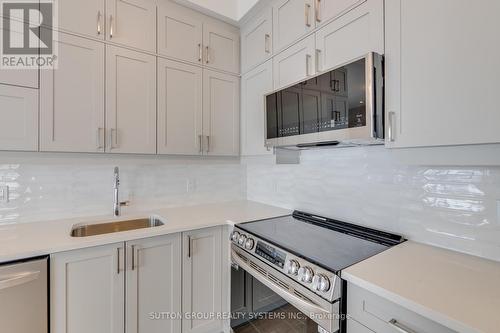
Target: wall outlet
x=4 y=194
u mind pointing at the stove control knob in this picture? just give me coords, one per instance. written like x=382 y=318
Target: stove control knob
x=249 y=244
x=321 y=283
x=306 y=274
x=234 y=236
x=241 y=240
x=292 y=267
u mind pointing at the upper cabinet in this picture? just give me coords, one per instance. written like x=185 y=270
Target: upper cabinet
x=441 y=76
x=222 y=47
x=257 y=40
x=351 y=35
x=325 y=10
x=291 y=20
x=180 y=32
x=131 y=23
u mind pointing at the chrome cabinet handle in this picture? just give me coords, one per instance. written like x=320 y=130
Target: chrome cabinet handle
x=133 y=249
x=200 y=52
x=110 y=26
x=318 y=58
x=113 y=143
x=318 y=11
x=99 y=137
x=208 y=54
x=400 y=327
x=118 y=268
x=390 y=128
x=189 y=246
x=307 y=12
x=18 y=279
x=266 y=46
x=308 y=64
x=200 y=137
x=208 y=143
x=99 y=22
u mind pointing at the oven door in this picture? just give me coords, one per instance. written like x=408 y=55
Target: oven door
x=320 y=312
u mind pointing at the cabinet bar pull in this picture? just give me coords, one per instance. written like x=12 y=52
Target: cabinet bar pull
x=113 y=139
x=390 y=127
x=99 y=138
x=118 y=268
x=200 y=52
x=307 y=12
x=208 y=54
x=110 y=26
x=133 y=256
x=99 y=22
x=267 y=47
x=399 y=327
x=318 y=56
x=189 y=246
x=208 y=143
x=200 y=137
x=318 y=10
x=308 y=64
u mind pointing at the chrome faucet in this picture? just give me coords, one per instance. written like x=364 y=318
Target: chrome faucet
x=116 y=197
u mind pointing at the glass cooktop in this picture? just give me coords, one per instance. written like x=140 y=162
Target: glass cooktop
x=322 y=244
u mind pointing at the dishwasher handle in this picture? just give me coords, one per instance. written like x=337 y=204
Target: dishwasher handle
x=18 y=279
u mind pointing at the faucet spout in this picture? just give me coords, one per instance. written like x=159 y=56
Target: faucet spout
x=116 y=196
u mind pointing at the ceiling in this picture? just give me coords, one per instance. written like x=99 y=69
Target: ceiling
x=234 y=10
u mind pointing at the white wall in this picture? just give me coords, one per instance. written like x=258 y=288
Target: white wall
x=55 y=186
x=233 y=9
x=448 y=206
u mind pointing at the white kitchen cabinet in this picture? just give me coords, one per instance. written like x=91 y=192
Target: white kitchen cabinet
x=354 y=327
x=254 y=85
x=257 y=40
x=180 y=32
x=84 y=17
x=132 y=23
x=202 y=280
x=326 y=10
x=222 y=47
x=87 y=290
x=153 y=280
x=295 y=64
x=180 y=103
x=292 y=19
x=351 y=36
x=382 y=316
x=19 y=118
x=441 y=77
x=72 y=97
x=130 y=101
x=221 y=113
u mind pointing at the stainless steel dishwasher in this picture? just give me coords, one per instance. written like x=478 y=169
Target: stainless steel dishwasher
x=24 y=296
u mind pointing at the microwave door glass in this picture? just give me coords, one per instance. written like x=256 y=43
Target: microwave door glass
x=290 y=111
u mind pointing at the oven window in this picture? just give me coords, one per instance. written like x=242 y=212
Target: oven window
x=257 y=309
x=332 y=101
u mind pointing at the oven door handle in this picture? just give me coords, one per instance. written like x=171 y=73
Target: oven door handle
x=301 y=304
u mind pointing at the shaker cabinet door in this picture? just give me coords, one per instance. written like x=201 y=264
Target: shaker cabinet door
x=256 y=40
x=72 y=98
x=292 y=19
x=222 y=47
x=130 y=101
x=85 y=17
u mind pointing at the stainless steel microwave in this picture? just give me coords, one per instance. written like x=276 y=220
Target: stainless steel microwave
x=344 y=106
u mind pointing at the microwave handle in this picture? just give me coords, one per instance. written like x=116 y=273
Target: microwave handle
x=301 y=304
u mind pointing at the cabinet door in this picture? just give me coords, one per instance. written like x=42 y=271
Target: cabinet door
x=85 y=17
x=254 y=85
x=221 y=109
x=292 y=19
x=325 y=10
x=87 y=290
x=202 y=279
x=351 y=36
x=256 y=40
x=180 y=100
x=72 y=97
x=447 y=96
x=295 y=64
x=153 y=284
x=130 y=101
x=222 y=47
x=180 y=32
x=19 y=118
x=132 y=23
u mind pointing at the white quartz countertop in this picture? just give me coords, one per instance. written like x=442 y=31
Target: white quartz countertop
x=24 y=240
x=456 y=290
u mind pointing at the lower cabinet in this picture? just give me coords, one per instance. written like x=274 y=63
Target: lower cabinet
x=107 y=288
x=202 y=277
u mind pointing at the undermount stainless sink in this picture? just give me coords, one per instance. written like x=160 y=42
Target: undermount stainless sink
x=85 y=230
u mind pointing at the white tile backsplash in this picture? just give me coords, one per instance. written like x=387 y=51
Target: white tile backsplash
x=56 y=186
x=447 y=206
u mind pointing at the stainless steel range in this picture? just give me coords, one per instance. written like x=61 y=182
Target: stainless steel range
x=301 y=257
